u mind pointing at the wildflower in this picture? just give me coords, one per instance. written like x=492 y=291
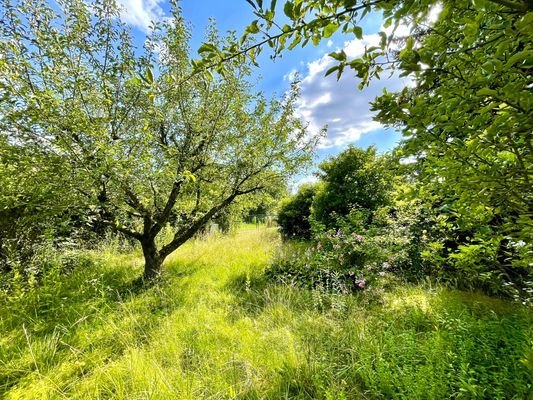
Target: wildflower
x=336 y=246
x=518 y=244
x=360 y=283
x=386 y=265
x=382 y=273
x=357 y=237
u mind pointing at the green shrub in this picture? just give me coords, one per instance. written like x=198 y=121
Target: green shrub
x=294 y=212
x=356 y=179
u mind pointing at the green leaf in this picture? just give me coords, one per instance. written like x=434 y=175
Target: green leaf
x=253 y=27
x=409 y=43
x=339 y=56
x=206 y=48
x=288 y=9
x=295 y=42
x=332 y=70
x=383 y=39
x=149 y=76
x=251 y=3
x=188 y=175
x=526 y=55
x=481 y=4
x=330 y=29
x=487 y=92
x=358 y=31
x=269 y=16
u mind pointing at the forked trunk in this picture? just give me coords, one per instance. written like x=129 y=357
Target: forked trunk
x=152 y=259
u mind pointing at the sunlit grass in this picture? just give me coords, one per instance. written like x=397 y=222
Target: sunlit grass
x=214 y=328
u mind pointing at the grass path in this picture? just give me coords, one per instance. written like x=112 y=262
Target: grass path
x=213 y=329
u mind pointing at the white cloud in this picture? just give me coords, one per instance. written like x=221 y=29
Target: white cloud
x=355 y=48
x=289 y=77
x=140 y=13
x=339 y=104
x=408 y=160
x=434 y=13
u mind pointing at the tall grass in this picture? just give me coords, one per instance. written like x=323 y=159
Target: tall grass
x=214 y=328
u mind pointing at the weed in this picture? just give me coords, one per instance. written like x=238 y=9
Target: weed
x=214 y=327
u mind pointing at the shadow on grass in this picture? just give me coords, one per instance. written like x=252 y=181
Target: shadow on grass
x=249 y=292
x=67 y=317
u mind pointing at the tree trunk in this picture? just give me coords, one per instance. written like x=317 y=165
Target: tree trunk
x=152 y=259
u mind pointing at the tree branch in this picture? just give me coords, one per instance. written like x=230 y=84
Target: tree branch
x=187 y=232
x=123 y=229
x=162 y=218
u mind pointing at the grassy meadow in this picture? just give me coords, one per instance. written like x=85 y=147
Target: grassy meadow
x=214 y=328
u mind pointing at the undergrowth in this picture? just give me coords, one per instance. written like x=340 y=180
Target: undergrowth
x=214 y=327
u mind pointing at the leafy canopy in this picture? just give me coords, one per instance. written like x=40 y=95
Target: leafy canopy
x=144 y=142
x=354 y=180
x=466 y=118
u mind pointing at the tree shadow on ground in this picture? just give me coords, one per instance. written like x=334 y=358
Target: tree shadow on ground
x=248 y=293
x=42 y=327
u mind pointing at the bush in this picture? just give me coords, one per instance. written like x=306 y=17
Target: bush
x=341 y=261
x=475 y=255
x=356 y=179
x=293 y=216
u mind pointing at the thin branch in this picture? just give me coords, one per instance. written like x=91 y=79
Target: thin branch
x=133 y=201
x=275 y=37
x=162 y=218
x=123 y=229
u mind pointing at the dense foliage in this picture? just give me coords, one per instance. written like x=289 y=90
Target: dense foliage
x=468 y=123
x=294 y=213
x=142 y=142
x=466 y=119
x=360 y=230
x=356 y=179
x=396 y=237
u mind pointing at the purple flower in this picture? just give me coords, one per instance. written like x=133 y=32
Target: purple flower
x=360 y=283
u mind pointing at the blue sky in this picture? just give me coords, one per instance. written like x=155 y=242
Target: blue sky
x=324 y=101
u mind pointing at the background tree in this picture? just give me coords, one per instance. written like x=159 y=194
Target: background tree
x=295 y=211
x=139 y=138
x=355 y=180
